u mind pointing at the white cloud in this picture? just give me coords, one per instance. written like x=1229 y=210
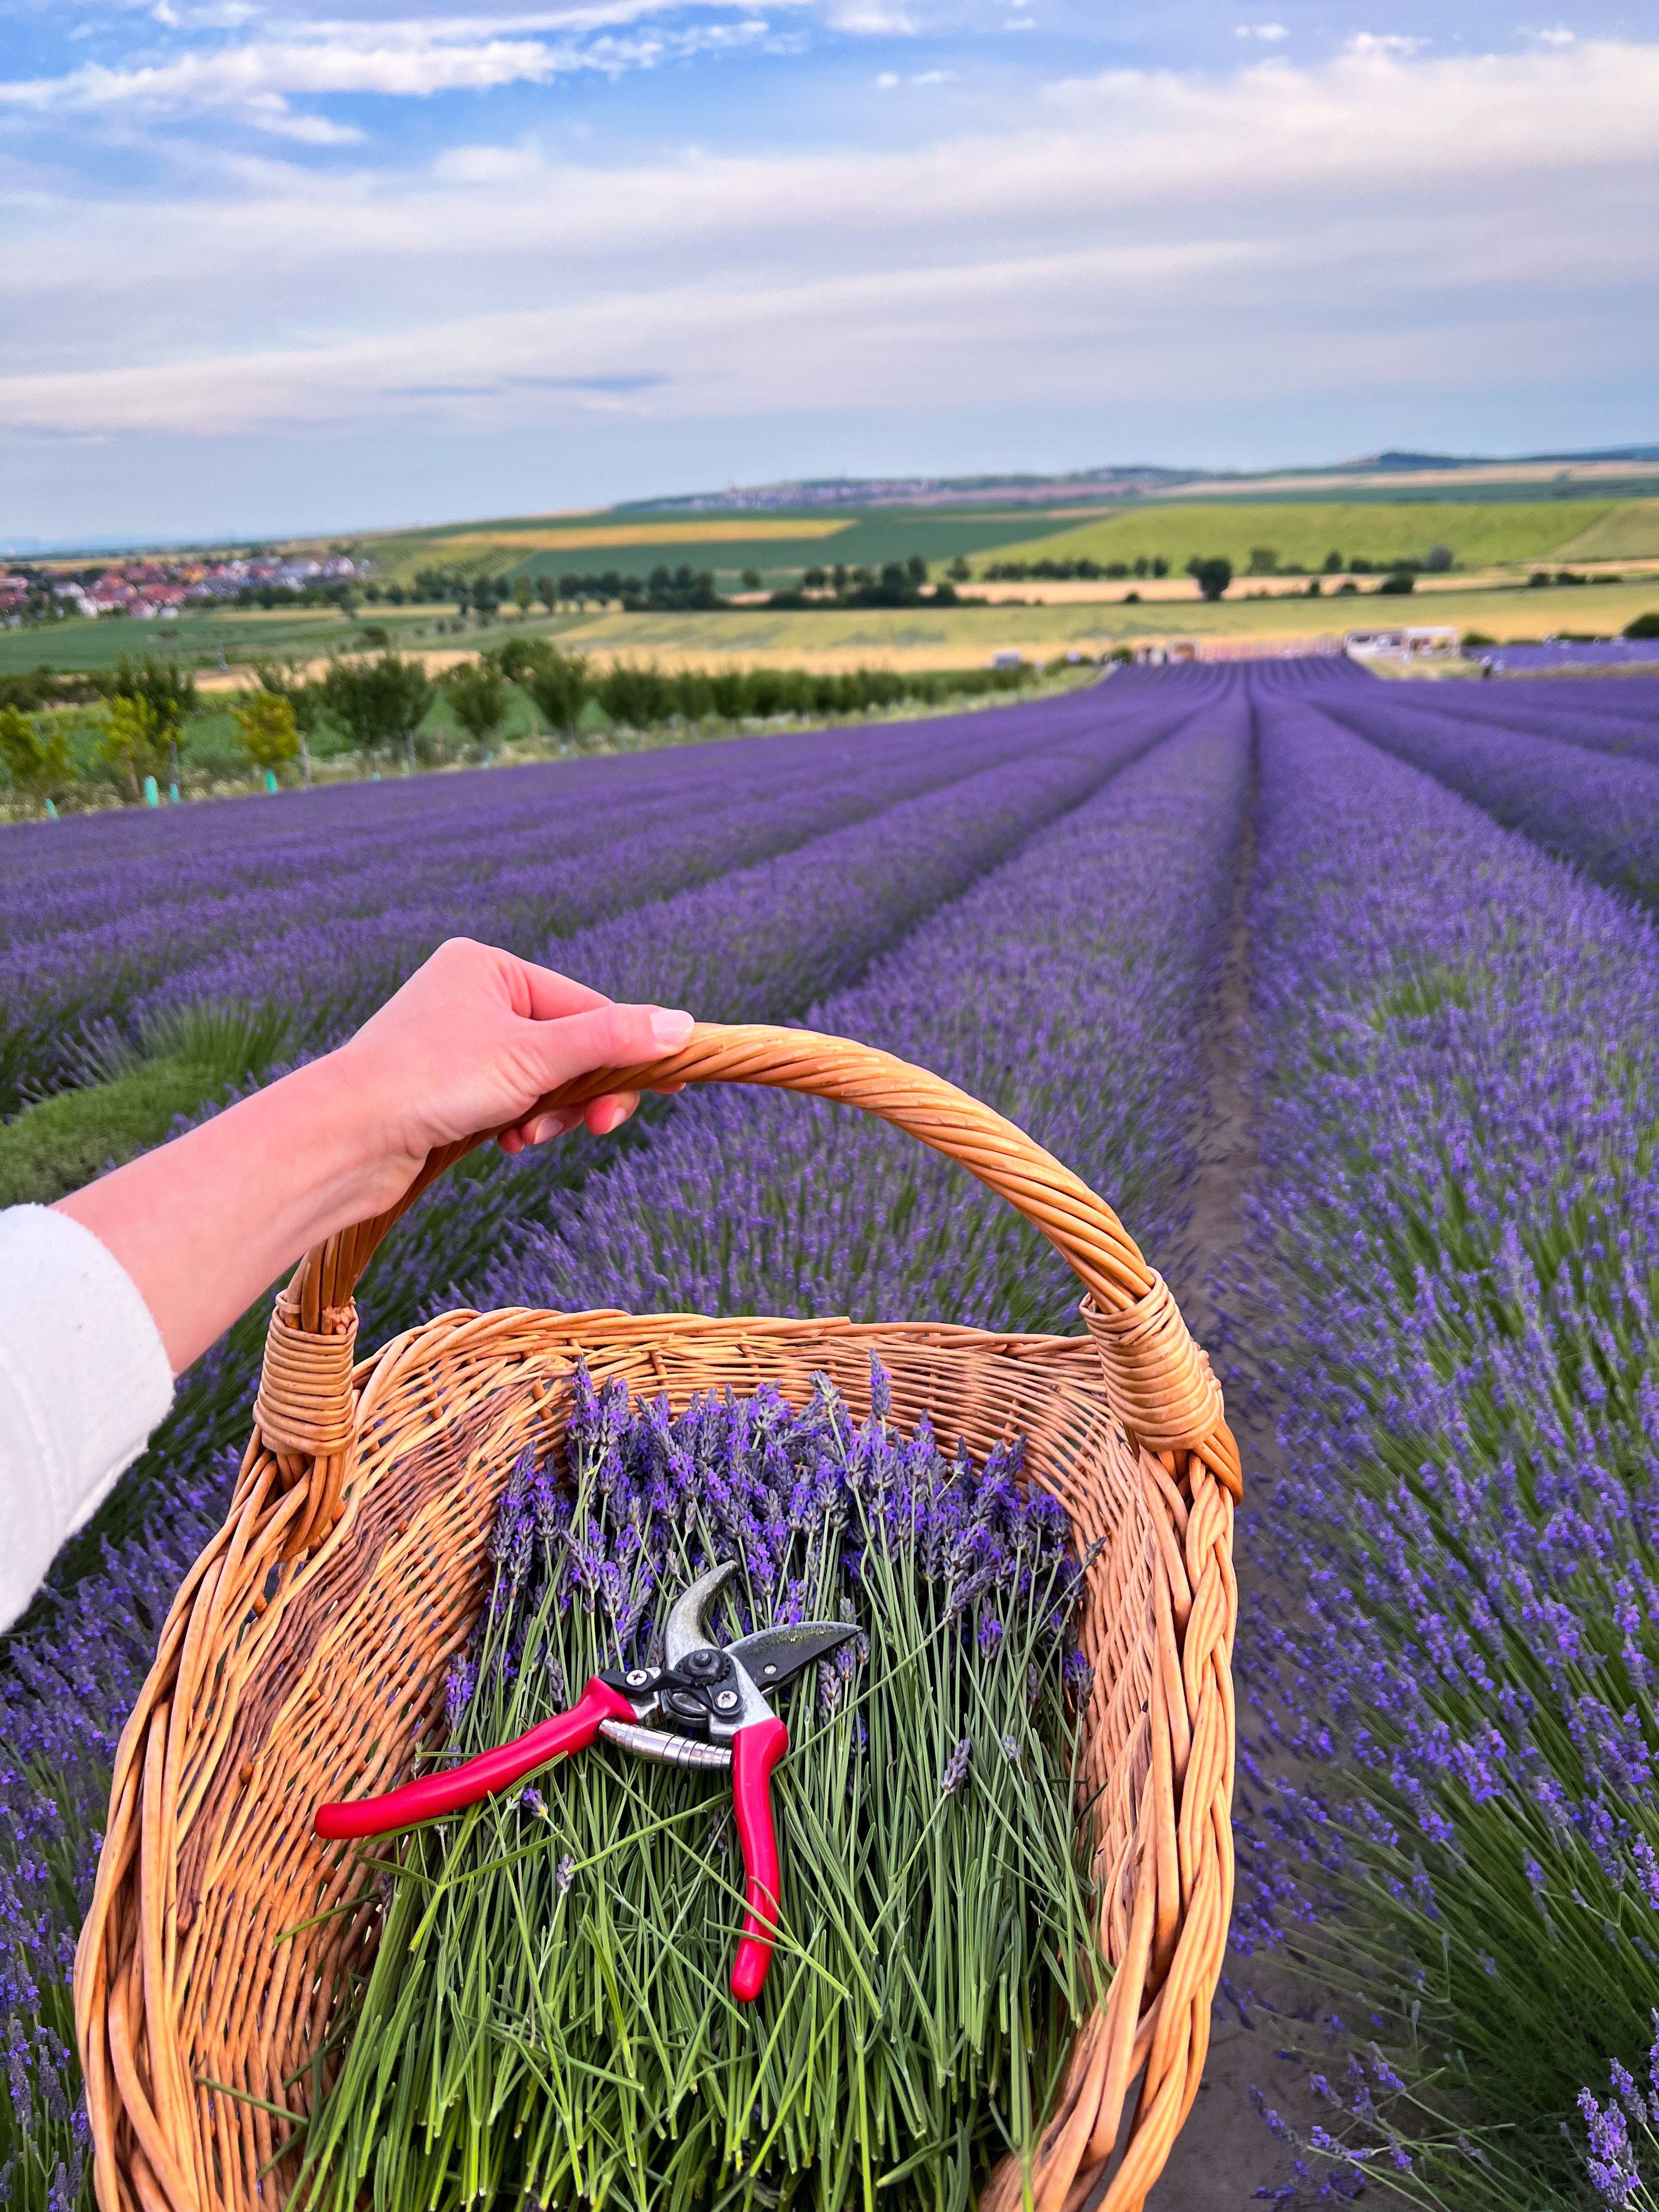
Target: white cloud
x=1392 y=45
x=870 y=19
x=1379 y=216
x=1558 y=37
x=273 y=114
x=887 y=80
x=410 y=65
x=253 y=79
x=1270 y=32
x=488 y=165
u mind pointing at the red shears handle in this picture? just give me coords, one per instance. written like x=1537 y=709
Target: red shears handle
x=482 y=1776
x=755 y=1752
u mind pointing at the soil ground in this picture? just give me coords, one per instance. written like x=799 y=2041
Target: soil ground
x=1224 y=2159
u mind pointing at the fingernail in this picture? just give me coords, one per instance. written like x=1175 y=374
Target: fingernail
x=671 y=1026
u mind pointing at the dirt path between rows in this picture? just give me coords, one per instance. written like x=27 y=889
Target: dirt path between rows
x=1224 y=2159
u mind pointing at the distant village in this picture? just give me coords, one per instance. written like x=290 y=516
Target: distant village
x=144 y=589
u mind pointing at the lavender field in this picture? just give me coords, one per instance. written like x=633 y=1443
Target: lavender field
x=1440 y=1301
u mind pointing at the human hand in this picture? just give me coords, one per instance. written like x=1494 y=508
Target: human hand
x=204 y=1223
x=475 y=1038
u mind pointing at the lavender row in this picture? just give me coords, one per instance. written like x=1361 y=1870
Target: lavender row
x=462 y=825
x=762 y=943
x=328 y=956
x=536 y=909
x=1457 y=1235
x=1561 y=711
x=319 y=864
x=1600 y=812
x=53 y=869
x=1066 y=989
x=1581 y=652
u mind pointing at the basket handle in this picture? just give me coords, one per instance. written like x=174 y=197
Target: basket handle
x=1157 y=1381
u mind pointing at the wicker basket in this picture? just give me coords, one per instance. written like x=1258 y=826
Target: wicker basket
x=304 y=1654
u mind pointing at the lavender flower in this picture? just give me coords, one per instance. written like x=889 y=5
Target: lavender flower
x=1611 y=2161
x=1457 y=1229
x=1549 y=774
x=881 y=1391
x=459 y=1687
x=227 y=909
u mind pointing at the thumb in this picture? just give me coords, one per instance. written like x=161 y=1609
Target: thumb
x=607 y=1036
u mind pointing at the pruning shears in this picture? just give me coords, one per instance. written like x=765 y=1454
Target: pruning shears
x=705 y=1707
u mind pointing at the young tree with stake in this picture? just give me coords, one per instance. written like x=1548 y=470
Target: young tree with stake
x=561 y=686
x=305 y=699
x=270 y=734
x=36 y=758
x=170 y=693
x=378 y=703
x=132 y=740
x=478 y=695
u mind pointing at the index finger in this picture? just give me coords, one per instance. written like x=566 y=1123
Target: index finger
x=552 y=996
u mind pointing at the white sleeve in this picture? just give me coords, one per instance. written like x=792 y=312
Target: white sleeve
x=83 y=1379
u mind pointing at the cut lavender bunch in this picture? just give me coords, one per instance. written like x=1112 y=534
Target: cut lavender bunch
x=548 y=2020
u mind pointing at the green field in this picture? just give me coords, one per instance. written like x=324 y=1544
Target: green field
x=1479 y=536
x=241 y=635
x=588 y=543
x=778 y=545
x=860 y=541
x=1629 y=532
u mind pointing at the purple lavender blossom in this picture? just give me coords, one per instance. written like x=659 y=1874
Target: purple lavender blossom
x=955 y=1768
x=1457 y=1225
x=1565 y=789
x=224 y=903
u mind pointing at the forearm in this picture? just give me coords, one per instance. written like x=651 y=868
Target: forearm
x=206 y=1223
x=472 y=1042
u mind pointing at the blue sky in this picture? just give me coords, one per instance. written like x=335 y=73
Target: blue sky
x=281 y=265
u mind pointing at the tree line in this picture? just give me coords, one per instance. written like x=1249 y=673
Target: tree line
x=642 y=696
x=895 y=584
x=686 y=589
x=485 y=597
x=1081 y=570
x=375 y=705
